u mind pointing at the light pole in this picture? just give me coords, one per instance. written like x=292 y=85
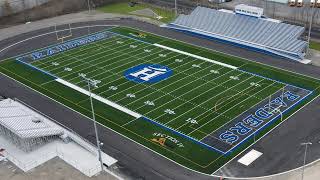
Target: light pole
x=89 y=9
x=310 y=24
x=175 y=7
x=305 y=156
x=90 y=83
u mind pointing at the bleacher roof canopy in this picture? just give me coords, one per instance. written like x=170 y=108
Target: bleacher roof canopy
x=24 y=122
x=258 y=33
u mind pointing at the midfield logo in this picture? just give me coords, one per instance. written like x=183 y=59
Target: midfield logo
x=148 y=73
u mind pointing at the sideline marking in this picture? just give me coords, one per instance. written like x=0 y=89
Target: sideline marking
x=250 y=157
x=196 y=56
x=148 y=147
x=136 y=115
x=99 y=98
x=1 y=73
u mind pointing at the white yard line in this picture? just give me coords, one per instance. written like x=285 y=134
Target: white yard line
x=197 y=78
x=120 y=51
x=221 y=114
x=252 y=106
x=91 y=64
x=108 y=65
x=214 y=138
x=138 y=83
x=181 y=72
x=196 y=56
x=228 y=110
x=241 y=93
x=79 y=55
x=199 y=105
x=128 y=122
x=121 y=76
x=117 y=74
x=123 y=59
x=93 y=59
x=152 y=149
x=68 y=64
x=80 y=64
x=157 y=89
x=99 y=98
x=51 y=59
x=178 y=97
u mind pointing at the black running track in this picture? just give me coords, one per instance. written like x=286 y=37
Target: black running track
x=281 y=148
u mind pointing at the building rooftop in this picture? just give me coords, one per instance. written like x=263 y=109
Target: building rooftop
x=24 y=122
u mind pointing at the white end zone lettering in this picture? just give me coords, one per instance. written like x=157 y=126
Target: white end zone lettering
x=254 y=121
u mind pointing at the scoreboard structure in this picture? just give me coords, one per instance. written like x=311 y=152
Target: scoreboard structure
x=248 y=10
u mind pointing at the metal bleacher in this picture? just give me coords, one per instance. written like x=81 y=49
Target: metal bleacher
x=261 y=34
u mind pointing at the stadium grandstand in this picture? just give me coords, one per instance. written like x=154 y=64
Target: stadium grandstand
x=246 y=29
x=25 y=129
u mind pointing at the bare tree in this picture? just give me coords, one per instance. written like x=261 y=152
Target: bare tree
x=7 y=9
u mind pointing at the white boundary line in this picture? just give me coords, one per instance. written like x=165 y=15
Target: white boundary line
x=48 y=62
x=108 y=128
x=196 y=56
x=99 y=98
x=222 y=114
x=181 y=72
x=79 y=56
x=152 y=149
x=83 y=48
x=250 y=178
x=195 y=105
x=239 y=114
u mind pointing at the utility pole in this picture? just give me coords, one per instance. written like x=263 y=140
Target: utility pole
x=305 y=156
x=310 y=25
x=89 y=8
x=90 y=83
x=176 y=7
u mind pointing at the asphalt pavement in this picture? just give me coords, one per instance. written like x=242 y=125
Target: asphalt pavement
x=281 y=148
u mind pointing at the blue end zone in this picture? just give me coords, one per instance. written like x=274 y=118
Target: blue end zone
x=20 y=55
x=267 y=124
x=65 y=46
x=240 y=143
x=188 y=137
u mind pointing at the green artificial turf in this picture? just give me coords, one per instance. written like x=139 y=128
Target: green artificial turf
x=189 y=91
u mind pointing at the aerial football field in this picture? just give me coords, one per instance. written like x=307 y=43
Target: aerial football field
x=194 y=106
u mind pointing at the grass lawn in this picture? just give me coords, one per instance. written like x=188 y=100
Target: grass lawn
x=124 y=8
x=315 y=45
